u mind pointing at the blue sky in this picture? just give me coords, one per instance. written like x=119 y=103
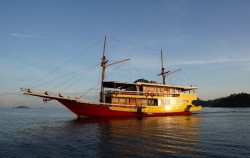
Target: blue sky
x=56 y=45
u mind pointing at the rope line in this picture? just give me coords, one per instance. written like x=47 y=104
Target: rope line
x=80 y=77
x=82 y=72
x=62 y=76
x=137 y=45
x=62 y=65
x=189 y=77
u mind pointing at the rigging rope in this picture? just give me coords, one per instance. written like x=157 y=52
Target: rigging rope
x=115 y=69
x=62 y=65
x=141 y=76
x=91 y=89
x=189 y=78
x=80 y=77
x=137 y=45
x=59 y=77
x=82 y=72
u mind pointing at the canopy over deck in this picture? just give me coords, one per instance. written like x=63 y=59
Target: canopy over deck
x=121 y=85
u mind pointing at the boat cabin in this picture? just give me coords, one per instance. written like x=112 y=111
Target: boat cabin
x=141 y=92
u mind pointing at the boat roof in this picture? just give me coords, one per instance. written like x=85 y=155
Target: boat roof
x=116 y=84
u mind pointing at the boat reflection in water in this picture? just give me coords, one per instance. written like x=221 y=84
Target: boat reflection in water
x=146 y=137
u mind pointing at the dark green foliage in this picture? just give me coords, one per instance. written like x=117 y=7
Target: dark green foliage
x=234 y=100
x=141 y=80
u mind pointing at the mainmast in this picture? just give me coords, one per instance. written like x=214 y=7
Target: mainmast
x=163 y=73
x=104 y=65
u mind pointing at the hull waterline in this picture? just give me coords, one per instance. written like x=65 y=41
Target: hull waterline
x=98 y=110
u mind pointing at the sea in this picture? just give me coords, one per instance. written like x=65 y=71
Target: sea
x=56 y=132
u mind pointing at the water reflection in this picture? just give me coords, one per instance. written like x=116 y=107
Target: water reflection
x=145 y=137
x=214 y=132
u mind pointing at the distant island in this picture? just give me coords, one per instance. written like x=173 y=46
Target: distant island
x=234 y=100
x=21 y=107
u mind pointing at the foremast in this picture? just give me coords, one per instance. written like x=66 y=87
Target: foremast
x=104 y=64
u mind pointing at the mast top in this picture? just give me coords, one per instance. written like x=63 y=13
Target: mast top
x=163 y=73
x=104 y=65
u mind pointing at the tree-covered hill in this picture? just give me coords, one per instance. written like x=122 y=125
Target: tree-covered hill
x=234 y=100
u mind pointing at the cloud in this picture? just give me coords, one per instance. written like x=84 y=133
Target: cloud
x=213 y=61
x=20 y=35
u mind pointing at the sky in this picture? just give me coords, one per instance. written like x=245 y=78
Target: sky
x=57 y=45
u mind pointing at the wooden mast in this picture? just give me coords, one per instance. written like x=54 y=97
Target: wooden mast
x=163 y=73
x=162 y=70
x=104 y=65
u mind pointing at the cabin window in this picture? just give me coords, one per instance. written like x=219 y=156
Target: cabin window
x=178 y=90
x=132 y=101
x=152 y=89
x=122 y=100
x=172 y=101
x=144 y=101
x=159 y=89
x=108 y=100
x=152 y=102
x=159 y=102
x=114 y=100
x=167 y=102
x=131 y=88
x=141 y=88
x=172 y=90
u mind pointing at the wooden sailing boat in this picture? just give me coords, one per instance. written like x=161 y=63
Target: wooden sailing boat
x=140 y=98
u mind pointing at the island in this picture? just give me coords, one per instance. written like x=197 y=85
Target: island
x=21 y=107
x=233 y=100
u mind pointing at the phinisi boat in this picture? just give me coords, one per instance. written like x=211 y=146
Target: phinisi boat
x=141 y=98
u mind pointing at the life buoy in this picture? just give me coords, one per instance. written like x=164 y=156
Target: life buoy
x=116 y=92
x=152 y=95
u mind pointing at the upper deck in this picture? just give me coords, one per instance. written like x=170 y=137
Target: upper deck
x=146 y=89
x=144 y=85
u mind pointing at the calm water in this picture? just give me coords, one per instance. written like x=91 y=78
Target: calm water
x=214 y=132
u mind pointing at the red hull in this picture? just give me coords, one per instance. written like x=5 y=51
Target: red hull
x=98 y=110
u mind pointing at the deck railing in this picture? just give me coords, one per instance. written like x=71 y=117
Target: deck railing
x=146 y=94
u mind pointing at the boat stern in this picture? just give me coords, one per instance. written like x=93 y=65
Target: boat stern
x=196 y=108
